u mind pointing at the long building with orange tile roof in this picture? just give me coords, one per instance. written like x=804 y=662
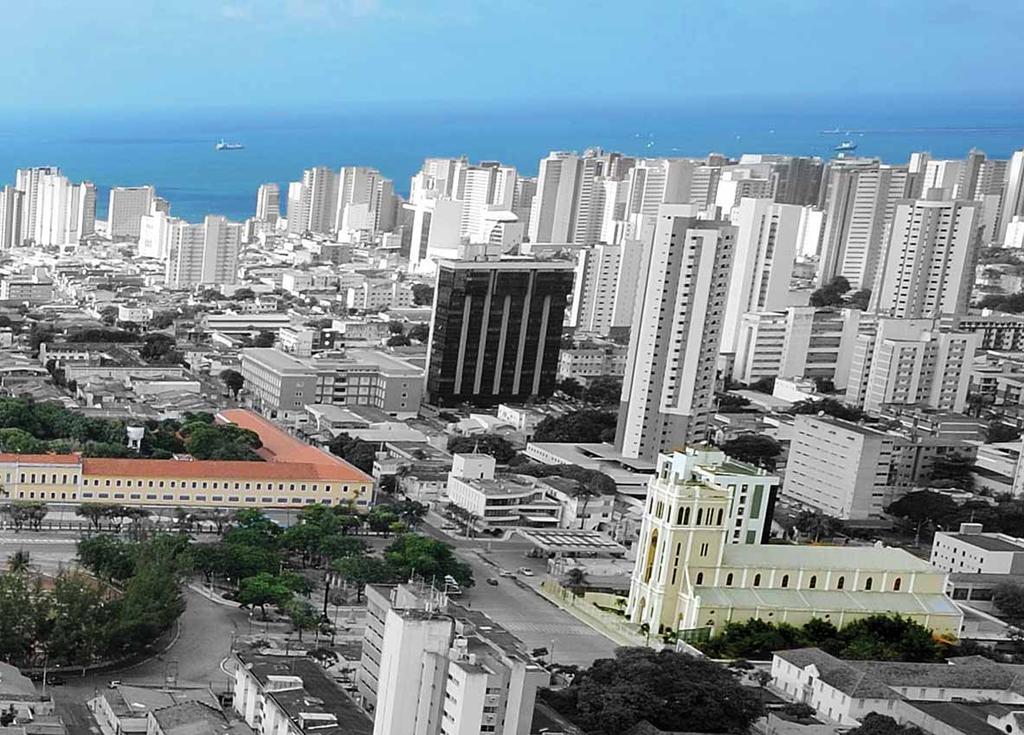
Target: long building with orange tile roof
x=293 y=474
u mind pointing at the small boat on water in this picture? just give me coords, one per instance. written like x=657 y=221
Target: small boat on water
x=846 y=145
x=222 y=146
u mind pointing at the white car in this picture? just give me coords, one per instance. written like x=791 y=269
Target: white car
x=525 y=571
x=506 y=573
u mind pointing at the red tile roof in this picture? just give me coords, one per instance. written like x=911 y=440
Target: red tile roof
x=40 y=458
x=280 y=446
x=287 y=458
x=218 y=469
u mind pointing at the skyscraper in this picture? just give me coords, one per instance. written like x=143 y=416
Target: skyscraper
x=928 y=267
x=27 y=180
x=605 y=286
x=860 y=199
x=268 y=203
x=203 y=253
x=668 y=387
x=766 y=242
x=568 y=204
x=1013 y=193
x=313 y=202
x=128 y=205
x=12 y=203
x=497 y=330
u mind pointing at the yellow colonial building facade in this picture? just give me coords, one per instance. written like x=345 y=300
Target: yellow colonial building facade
x=688 y=577
x=293 y=474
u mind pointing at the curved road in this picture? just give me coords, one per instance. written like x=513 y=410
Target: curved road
x=203 y=642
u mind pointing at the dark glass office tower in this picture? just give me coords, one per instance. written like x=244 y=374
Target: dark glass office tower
x=497 y=330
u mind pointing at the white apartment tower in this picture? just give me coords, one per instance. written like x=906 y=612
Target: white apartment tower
x=12 y=202
x=27 y=180
x=928 y=269
x=268 y=203
x=1013 y=193
x=605 y=286
x=860 y=199
x=668 y=387
x=127 y=206
x=568 y=204
x=204 y=253
x=766 y=242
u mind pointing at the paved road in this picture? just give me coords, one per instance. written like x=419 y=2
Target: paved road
x=537 y=622
x=204 y=640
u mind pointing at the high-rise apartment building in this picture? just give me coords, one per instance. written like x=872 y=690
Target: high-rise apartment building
x=27 y=180
x=496 y=331
x=800 y=342
x=313 y=202
x=1013 y=193
x=568 y=204
x=605 y=286
x=203 y=253
x=127 y=206
x=668 y=388
x=431 y=667
x=268 y=203
x=860 y=199
x=928 y=267
x=766 y=243
x=911 y=361
x=65 y=212
x=155 y=231
x=12 y=204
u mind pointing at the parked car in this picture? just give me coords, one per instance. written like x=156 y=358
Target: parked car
x=525 y=571
x=506 y=573
x=493 y=581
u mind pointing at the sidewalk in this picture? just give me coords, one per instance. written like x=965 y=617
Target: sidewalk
x=212 y=596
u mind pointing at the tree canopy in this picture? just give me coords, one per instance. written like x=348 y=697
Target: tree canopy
x=497 y=446
x=831 y=294
x=358 y=453
x=672 y=691
x=876 y=637
x=829 y=407
x=586 y=426
x=756 y=449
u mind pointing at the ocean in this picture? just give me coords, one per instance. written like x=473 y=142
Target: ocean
x=174 y=151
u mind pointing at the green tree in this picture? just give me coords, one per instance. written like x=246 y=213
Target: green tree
x=264 y=589
x=953 y=470
x=419 y=332
x=1008 y=597
x=233 y=380
x=671 y=691
x=20 y=562
x=756 y=449
x=108 y=557
x=874 y=723
x=428 y=558
x=19 y=441
x=586 y=426
x=497 y=446
x=20 y=617
x=829 y=407
x=302 y=616
x=264 y=339
x=221 y=441
x=356 y=452
x=924 y=509
x=360 y=571
x=422 y=294
x=818 y=525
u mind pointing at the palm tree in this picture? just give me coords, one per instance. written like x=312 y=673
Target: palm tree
x=575 y=579
x=19 y=562
x=817 y=524
x=584 y=492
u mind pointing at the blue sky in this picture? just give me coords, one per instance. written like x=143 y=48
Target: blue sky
x=134 y=54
